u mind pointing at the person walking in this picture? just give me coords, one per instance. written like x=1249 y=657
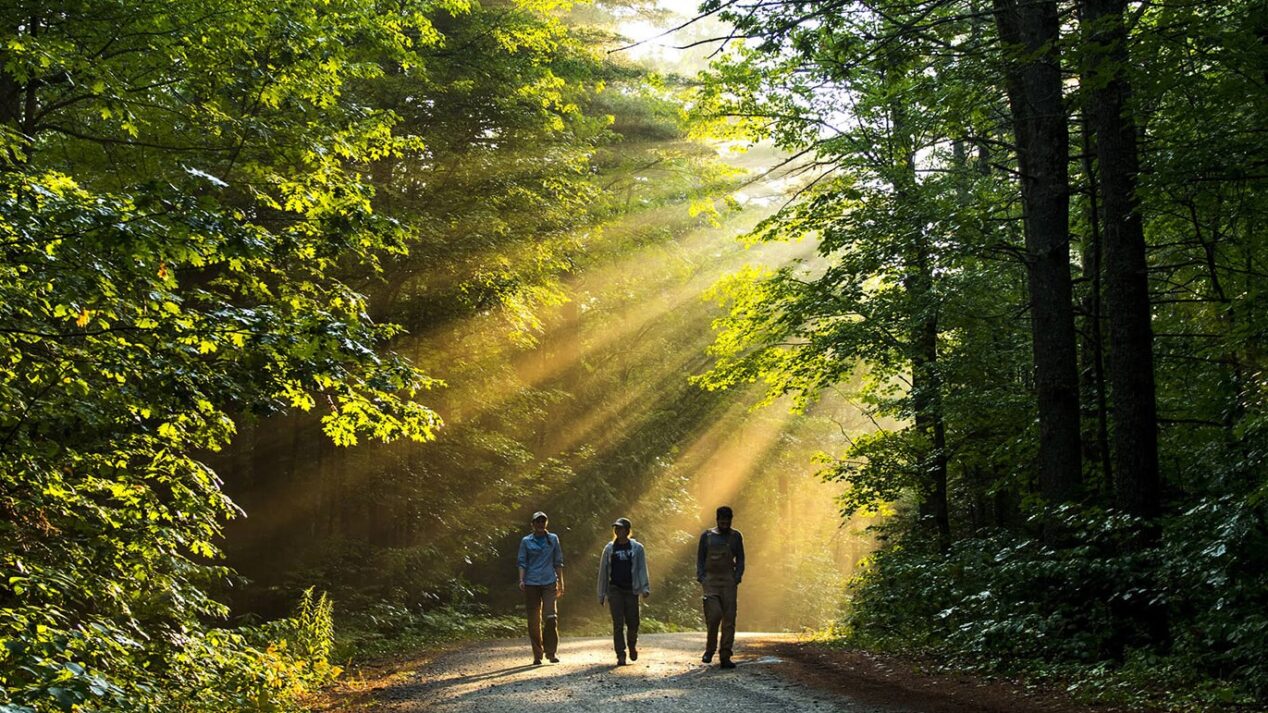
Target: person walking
x=541 y=565
x=622 y=580
x=719 y=569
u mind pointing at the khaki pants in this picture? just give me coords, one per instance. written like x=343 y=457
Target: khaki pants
x=539 y=601
x=623 y=604
x=719 y=612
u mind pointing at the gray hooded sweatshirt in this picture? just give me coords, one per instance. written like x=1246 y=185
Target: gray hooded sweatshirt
x=642 y=585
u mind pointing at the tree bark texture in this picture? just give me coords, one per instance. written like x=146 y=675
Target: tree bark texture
x=1131 y=374
x=1096 y=448
x=1030 y=30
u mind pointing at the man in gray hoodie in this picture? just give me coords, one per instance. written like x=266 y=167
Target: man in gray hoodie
x=622 y=580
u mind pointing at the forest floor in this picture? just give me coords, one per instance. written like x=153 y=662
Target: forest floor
x=775 y=673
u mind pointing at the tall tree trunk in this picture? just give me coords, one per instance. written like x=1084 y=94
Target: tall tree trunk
x=1030 y=28
x=926 y=382
x=1134 y=409
x=1131 y=372
x=11 y=92
x=1096 y=447
x=926 y=386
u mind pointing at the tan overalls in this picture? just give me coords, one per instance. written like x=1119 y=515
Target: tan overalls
x=720 y=593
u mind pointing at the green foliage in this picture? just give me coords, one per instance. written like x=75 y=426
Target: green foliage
x=893 y=114
x=1001 y=599
x=267 y=668
x=516 y=201
x=903 y=247
x=1215 y=578
x=181 y=188
x=270 y=667
x=1014 y=605
x=383 y=629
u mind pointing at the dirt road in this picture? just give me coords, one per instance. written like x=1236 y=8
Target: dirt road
x=492 y=677
x=775 y=673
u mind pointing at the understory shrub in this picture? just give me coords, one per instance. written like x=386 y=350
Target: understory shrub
x=266 y=668
x=1005 y=601
x=386 y=628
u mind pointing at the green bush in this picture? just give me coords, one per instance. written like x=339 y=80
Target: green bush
x=265 y=668
x=386 y=628
x=1007 y=602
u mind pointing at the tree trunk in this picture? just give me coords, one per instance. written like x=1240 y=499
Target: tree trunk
x=11 y=92
x=926 y=382
x=1031 y=28
x=1096 y=447
x=1131 y=373
x=926 y=386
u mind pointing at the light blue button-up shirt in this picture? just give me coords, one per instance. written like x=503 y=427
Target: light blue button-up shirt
x=539 y=556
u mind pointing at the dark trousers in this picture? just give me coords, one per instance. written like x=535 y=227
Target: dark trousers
x=623 y=603
x=539 y=601
x=719 y=612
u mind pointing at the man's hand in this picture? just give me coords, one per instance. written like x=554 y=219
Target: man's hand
x=601 y=600
x=521 y=585
x=560 y=593
x=646 y=595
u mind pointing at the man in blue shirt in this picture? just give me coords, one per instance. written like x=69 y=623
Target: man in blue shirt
x=541 y=564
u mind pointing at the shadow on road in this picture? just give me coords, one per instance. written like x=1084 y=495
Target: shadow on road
x=488 y=675
x=558 y=674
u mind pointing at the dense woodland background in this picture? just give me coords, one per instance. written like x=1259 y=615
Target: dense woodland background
x=305 y=307
x=1042 y=221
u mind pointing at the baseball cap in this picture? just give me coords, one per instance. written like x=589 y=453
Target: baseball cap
x=621 y=522
x=539 y=515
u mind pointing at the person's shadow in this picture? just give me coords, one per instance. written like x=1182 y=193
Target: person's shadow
x=490 y=675
x=416 y=688
x=492 y=686
x=570 y=671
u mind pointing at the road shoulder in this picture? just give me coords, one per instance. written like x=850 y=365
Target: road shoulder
x=358 y=689
x=895 y=681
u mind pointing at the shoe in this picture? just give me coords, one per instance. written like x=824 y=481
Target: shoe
x=727 y=663
x=707 y=658
x=553 y=659
x=633 y=654
x=537 y=662
x=620 y=661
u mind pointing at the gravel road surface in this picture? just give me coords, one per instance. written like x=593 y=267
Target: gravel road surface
x=497 y=677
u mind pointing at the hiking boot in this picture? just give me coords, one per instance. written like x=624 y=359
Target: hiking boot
x=707 y=658
x=633 y=654
x=727 y=663
x=537 y=662
x=553 y=659
x=620 y=660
